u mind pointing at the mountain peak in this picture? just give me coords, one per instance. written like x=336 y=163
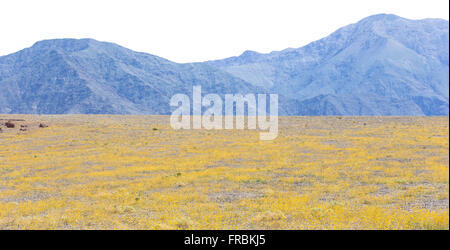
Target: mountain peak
x=86 y=76
x=382 y=16
x=249 y=55
x=383 y=64
x=75 y=45
x=65 y=43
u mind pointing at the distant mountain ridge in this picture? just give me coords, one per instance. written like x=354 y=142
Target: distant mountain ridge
x=67 y=76
x=382 y=65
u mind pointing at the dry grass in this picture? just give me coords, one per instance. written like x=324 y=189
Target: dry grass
x=135 y=172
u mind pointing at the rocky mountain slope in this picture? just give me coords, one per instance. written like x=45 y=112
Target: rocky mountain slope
x=90 y=77
x=382 y=65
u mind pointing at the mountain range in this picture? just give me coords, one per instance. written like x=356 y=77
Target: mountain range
x=382 y=65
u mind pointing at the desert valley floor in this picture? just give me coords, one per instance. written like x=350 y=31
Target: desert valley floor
x=136 y=172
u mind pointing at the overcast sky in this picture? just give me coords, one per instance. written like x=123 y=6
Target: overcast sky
x=195 y=30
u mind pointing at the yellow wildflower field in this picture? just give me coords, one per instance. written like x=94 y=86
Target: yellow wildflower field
x=136 y=172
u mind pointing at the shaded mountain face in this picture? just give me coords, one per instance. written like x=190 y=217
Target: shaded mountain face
x=382 y=65
x=90 y=77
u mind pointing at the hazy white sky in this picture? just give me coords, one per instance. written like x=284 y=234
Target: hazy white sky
x=195 y=30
